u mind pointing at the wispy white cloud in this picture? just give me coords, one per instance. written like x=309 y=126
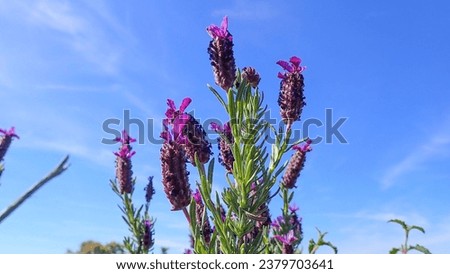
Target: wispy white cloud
x=367 y=232
x=437 y=146
x=89 y=30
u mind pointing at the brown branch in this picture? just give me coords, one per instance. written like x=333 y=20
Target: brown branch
x=62 y=166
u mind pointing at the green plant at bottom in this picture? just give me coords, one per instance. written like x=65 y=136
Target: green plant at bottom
x=405 y=248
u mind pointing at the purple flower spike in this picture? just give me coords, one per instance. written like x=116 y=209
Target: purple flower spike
x=123 y=163
x=175 y=175
x=221 y=55
x=225 y=142
x=147 y=240
x=291 y=99
x=149 y=190
x=296 y=165
x=199 y=213
x=5 y=140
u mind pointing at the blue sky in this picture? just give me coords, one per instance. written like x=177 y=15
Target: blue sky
x=67 y=66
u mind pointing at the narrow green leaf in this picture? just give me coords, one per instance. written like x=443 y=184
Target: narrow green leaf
x=211 y=171
x=421 y=249
x=417 y=228
x=219 y=97
x=400 y=222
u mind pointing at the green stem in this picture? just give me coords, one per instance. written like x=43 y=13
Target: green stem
x=62 y=166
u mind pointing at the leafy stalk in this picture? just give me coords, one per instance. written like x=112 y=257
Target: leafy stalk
x=405 y=248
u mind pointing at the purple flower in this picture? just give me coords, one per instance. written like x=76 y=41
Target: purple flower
x=221 y=32
x=277 y=223
x=205 y=227
x=147 y=239
x=291 y=99
x=196 y=142
x=288 y=238
x=149 y=190
x=293 y=208
x=125 y=139
x=6 y=140
x=186 y=130
x=221 y=55
x=123 y=163
x=296 y=225
x=225 y=141
x=294 y=66
x=9 y=133
x=295 y=165
x=251 y=76
x=177 y=119
x=175 y=175
x=197 y=197
x=173 y=156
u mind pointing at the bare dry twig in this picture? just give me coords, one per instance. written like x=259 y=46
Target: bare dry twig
x=62 y=166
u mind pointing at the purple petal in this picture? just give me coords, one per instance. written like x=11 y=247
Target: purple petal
x=179 y=123
x=295 y=61
x=285 y=65
x=212 y=31
x=281 y=75
x=220 y=32
x=224 y=25
x=197 y=196
x=170 y=114
x=293 y=208
x=290 y=237
x=227 y=127
x=275 y=225
x=171 y=104
x=185 y=103
x=305 y=148
x=127 y=138
x=216 y=127
x=166 y=136
x=11 y=132
x=166 y=122
x=280 y=238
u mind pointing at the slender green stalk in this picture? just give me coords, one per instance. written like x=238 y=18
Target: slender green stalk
x=62 y=166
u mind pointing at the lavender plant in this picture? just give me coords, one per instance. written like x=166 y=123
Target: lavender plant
x=138 y=220
x=237 y=220
x=405 y=248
